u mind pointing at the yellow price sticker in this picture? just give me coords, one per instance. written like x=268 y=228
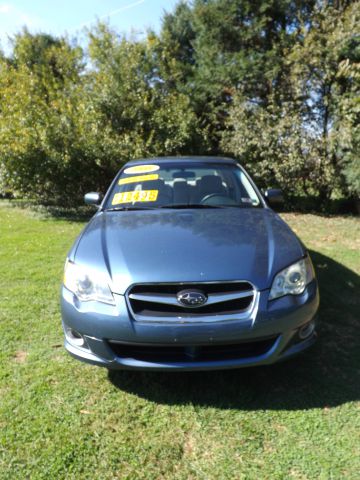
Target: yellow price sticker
x=135 y=196
x=141 y=169
x=139 y=178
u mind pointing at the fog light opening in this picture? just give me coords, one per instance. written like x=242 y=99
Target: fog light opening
x=74 y=337
x=307 y=330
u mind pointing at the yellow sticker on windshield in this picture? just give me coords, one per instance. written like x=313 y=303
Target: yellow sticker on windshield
x=141 y=169
x=135 y=196
x=139 y=178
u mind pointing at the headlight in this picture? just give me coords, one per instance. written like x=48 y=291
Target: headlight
x=86 y=284
x=292 y=280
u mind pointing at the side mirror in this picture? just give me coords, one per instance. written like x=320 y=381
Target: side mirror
x=274 y=197
x=93 y=198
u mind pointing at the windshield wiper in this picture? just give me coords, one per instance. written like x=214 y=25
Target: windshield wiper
x=122 y=209
x=189 y=205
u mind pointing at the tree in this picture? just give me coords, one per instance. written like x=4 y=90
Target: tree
x=145 y=117
x=347 y=124
x=64 y=130
x=298 y=139
x=274 y=82
x=39 y=88
x=213 y=47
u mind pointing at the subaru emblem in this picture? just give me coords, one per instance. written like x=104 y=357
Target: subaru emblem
x=191 y=298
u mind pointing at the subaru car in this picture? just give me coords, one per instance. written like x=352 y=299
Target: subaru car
x=186 y=266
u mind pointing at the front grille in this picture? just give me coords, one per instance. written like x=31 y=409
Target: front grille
x=191 y=353
x=159 y=302
x=163 y=310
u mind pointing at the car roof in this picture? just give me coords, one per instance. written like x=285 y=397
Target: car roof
x=185 y=159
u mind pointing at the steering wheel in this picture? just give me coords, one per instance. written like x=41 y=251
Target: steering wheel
x=217 y=199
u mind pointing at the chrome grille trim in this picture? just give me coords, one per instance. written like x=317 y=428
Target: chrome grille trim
x=171 y=300
x=194 y=315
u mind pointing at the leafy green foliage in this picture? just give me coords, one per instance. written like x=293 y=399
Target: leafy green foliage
x=275 y=83
x=214 y=47
x=62 y=134
x=308 y=128
x=44 y=120
x=144 y=117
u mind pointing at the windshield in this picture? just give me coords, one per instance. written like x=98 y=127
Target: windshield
x=182 y=185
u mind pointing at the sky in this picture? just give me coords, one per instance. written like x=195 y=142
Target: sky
x=72 y=17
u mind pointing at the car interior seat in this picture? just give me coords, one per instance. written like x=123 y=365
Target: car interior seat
x=210 y=184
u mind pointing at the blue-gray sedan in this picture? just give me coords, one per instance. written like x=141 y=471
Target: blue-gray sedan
x=186 y=267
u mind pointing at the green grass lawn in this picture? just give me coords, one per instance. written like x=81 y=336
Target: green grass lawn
x=60 y=418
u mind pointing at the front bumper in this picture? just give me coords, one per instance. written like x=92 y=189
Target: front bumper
x=103 y=326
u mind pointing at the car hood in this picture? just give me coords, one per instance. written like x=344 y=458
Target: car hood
x=188 y=246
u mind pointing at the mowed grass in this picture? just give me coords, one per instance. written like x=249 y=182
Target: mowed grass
x=60 y=418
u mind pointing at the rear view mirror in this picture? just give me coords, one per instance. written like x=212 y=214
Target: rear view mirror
x=274 y=197
x=93 y=198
